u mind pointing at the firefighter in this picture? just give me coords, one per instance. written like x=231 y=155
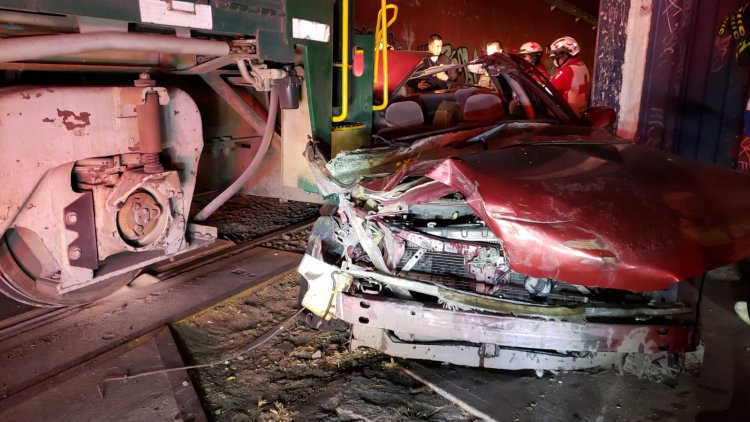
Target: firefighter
x=572 y=76
x=532 y=52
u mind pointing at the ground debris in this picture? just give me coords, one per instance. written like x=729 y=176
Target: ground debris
x=309 y=373
x=302 y=374
x=246 y=217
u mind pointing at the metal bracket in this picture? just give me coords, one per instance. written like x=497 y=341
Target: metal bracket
x=78 y=217
x=198 y=232
x=414 y=259
x=160 y=91
x=244 y=48
x=260 y=76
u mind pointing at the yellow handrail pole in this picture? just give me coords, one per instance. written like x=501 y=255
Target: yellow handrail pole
x=379 y=44
x=395 y=14
x=344 y=63
x=384 y=43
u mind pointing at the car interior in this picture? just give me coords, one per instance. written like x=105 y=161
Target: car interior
x=465 y=107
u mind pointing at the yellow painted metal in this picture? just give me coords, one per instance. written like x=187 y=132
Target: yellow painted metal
x=381 y=47
x=344 y=62
x=349 y=137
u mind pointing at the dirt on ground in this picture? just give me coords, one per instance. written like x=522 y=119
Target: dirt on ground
x=246 y=217
x=302 y=374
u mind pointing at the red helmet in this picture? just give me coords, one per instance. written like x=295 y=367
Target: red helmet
x=531 y=47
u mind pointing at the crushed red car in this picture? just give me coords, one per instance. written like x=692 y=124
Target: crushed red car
x=496 y=228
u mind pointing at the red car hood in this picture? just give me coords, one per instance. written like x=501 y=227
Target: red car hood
x=616 y=216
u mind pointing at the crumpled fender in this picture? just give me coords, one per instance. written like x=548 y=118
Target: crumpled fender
x=615 y=216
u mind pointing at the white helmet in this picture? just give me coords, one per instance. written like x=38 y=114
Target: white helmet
x=564 y=45
x=530 y=48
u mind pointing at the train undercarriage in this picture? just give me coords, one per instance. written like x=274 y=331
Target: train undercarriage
x=111 y=118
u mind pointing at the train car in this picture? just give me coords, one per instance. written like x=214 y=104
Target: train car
x=113 y=112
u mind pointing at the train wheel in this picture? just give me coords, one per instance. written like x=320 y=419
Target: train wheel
x=20 y=286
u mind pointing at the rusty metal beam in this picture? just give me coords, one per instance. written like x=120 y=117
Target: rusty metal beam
x=81 y=67
x=235 y=101
x=573 y=10
x=43 y=46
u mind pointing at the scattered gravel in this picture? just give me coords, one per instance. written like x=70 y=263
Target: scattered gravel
x=293 y=242
x=246 y=217
x=302 y=374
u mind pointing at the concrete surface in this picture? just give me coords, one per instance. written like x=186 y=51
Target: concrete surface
x=73 y=395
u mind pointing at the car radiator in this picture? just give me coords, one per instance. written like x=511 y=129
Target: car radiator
x=438 y=263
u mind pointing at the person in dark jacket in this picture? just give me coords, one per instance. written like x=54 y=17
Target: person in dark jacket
x=441 y=79
x=484 y=81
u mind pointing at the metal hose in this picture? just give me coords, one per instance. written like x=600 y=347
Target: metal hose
x=43 y=46
x=252 y=167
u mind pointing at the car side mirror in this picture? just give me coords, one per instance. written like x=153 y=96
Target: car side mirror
x=599 y=117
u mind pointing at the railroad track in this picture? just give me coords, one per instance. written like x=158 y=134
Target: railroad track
x=190 y=264
x=42 y=349
x=30 y=319
x=169 y=270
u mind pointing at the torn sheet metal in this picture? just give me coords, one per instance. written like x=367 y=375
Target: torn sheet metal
x=614 y=216
x=582 y=207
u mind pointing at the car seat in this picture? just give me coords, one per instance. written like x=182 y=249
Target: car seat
x=463 y=94
x=483 y=108
x=404 y=113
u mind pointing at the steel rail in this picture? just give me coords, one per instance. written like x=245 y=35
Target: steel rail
x=35 y=318
x=234 y=250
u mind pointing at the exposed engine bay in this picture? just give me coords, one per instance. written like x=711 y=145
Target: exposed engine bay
x=447 y=293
